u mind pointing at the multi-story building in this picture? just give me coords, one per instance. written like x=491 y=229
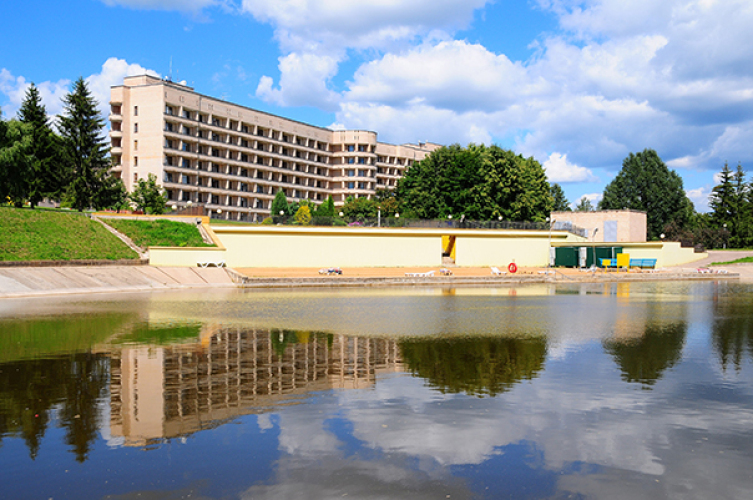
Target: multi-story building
x=234 y=160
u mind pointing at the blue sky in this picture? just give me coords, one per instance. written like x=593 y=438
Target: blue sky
x=578 y=84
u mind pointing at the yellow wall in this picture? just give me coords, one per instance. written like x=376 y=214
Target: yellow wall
x=317 y=247
x=525 y=248
x=286 y=246
x=666 y=254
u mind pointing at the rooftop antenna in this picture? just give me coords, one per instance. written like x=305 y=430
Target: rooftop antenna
x=170 y=78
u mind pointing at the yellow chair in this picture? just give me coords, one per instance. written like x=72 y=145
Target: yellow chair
x=623 y=260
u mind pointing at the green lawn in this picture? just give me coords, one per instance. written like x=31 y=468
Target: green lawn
x=27 y=234
x=159 y=233
x=744 y=260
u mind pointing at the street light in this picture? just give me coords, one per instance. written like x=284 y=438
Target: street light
x=549 y=260
x=725 y=235
x=379 y=216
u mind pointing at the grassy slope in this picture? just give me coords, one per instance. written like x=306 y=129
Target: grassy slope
x=159 y=233
x=744 y=260
x=27 y=234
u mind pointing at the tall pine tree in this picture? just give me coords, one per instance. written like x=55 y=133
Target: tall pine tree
x=85 y=152
x=46 y=177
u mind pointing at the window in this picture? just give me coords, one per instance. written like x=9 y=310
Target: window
x=135 y=178
x=168 y=161
x=186 y=196
x=168 y=177
x=244 y=129
x=186 y=147
x=184 y=179
x=215 y=183
x=362 y=173
x=168 y=110
x=135 y=161
x=259 y=189
x=186 y=114
x=361 y=185
x=215 y=199
x=351 y=148
x=361 y=148
x=244 y=188
x=351 y=160
x=135 y=128
x=351 y=173
x=136 y=145
x=186 y=163
x=135 y=111
x=362 y=161
x=351 y=185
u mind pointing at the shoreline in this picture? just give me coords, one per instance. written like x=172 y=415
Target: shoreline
x=30 y=282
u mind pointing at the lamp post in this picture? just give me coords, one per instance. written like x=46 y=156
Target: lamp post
x=379 y=216
x=725 y=235
x=549 y=259
x=593 y=240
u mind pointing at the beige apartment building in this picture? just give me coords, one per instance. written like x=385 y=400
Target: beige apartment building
x=234 y=160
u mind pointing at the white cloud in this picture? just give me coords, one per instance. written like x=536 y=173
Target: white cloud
x=700 y=198
x=15 y=87
x=558 y=169
x=52 y=93
x=113 y=72
x=303 y=82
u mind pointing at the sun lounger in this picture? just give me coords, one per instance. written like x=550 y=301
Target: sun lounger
x=330 y=270
x=497 y=272
x=420 y=275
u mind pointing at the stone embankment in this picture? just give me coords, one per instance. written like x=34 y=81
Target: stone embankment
x=41 y=281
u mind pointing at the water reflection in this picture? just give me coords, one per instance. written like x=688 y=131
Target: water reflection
x=166 y=392
x=191 y=405
x=71 y=385
x=476 y=366
x=732 y=333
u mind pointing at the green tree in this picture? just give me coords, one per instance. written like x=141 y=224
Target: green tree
x=360 y=208
x=479 y=182
x=303 y=216
x=584 y=205
x=722 y=198
x=85 y=150
x=731 y=206
x=645 y=183
x=560 y=203
x=15 y=161
x=280 y=204
x=326 y=209
x=46 y=178
x=148 y=196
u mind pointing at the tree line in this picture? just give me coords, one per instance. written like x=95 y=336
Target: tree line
x=66 y=160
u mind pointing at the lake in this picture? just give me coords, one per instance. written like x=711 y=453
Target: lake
x=631 y=390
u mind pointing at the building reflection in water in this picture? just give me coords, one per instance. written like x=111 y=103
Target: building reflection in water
x=167 y=392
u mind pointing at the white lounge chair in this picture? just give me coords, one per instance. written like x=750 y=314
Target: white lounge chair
x=497 y=272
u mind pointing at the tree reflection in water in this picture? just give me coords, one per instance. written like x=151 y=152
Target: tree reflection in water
x=644 y=359
x=732 y=331
x=30 y=390
x=476 y=366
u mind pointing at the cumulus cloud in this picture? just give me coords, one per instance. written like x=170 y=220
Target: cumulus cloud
x=616 y=79
x=558 y=169
x=52 y=93
x=113 y=72
x=303 y=82
x=15 y=87
x=700 y=198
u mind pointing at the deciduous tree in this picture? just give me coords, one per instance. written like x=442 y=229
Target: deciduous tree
x=148 y=196
x=479 y=182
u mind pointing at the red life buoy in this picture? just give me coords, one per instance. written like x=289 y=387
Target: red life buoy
x=512 y=267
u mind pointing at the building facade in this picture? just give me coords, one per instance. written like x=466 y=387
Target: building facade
x=234 y=159
x=607 y=225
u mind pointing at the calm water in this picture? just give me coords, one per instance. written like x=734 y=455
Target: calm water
x=582 y=391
